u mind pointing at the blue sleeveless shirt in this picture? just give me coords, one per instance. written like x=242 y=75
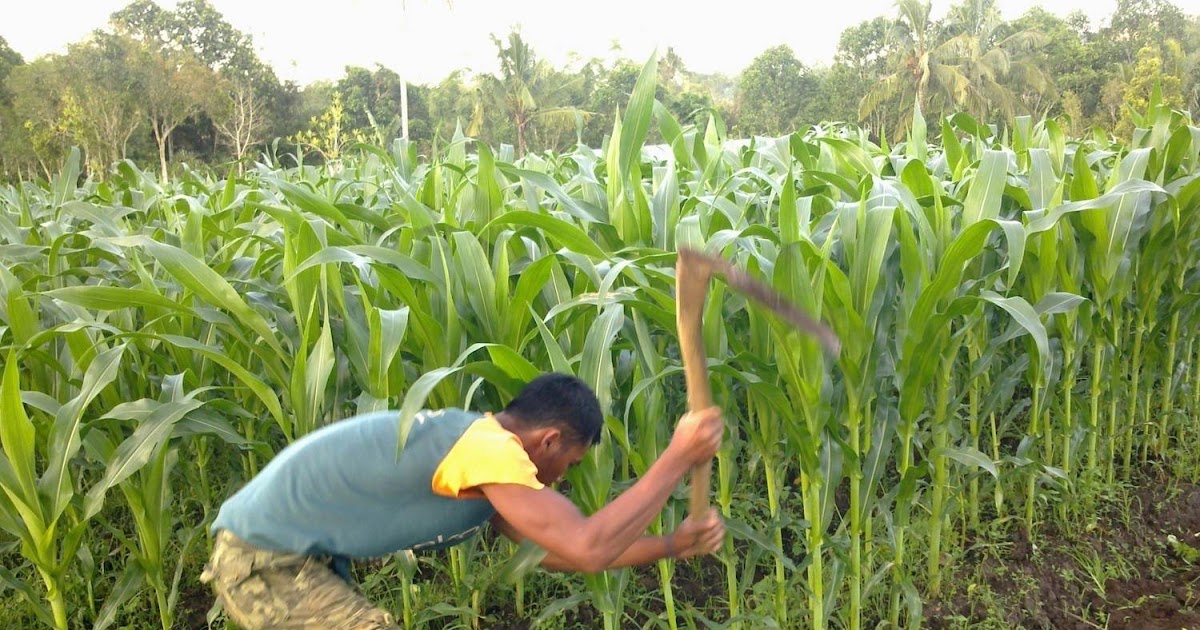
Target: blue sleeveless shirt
x=342 y=491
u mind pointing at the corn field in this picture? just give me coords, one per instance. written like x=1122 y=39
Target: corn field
x=1016 y=310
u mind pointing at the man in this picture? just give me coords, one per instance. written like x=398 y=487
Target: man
x=284 y=541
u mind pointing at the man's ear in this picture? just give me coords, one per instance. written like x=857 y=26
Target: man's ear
x=551 y=438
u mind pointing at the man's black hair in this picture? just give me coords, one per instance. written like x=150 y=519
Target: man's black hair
x=562 y=401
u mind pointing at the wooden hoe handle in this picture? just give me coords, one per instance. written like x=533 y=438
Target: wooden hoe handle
x=692 y=275
x=693 y=271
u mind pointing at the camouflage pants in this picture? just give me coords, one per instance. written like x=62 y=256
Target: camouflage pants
x=263 y=589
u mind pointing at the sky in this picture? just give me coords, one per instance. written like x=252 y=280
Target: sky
x=425 y=40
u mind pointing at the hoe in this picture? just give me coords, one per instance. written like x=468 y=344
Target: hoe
x=693 y=270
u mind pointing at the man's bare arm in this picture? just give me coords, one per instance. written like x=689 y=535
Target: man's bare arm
x=644 y=550
x=593 y=543
x=692 y=538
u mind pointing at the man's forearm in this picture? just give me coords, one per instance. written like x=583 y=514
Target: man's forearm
x=644 y=550
x=619 y=524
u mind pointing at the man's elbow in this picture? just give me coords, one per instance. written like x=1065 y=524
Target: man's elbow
x=584 y=560
x=594 y=563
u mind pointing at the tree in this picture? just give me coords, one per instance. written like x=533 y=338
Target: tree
x=774 y=92
x=239 y=119
x=372 y=101
x=328 y=134
x=690 y=105
x=916 y=65
x=195 y=27
x=90 y=97
x=1191 y=76
x=971 y=62
x=1067 y=60
x=176 y=87
x=1137 y=24
x=451 y=105
x=611 y=92
x=1147 y=76
x=36 y=90
x=9 y=59
x=523 y=91
x=992 y=60
x=862 y=56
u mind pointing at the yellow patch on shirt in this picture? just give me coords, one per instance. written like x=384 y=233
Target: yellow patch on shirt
x=485 y=453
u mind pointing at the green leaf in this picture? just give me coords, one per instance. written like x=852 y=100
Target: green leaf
x=309 y=201
x=35 y=602
x=127 y=586
x=576 y=207
x=365 y=254
x=65 y=435
x=739 y=529
x=113 y=298
x=596 y=367
x=1058 y=302
x=210 y=286
x=558 y=359
x=1028 y=319
x=414 y=399
x=387 y=335
x=318 y=367
x=17 y=434
x=983 y=198
x=561 y=232
x=638 y=115
x=967 y=456
x=962 y=249
x=478 y=281
x=512 y=363
x=672 y=134
x=917 y=147
x=1040 y=221
x=22 y=319
x=1014 y=232
x=1042 y=182
x=138 y=448
x=269 y=398
x=791 y=227
x=525 y=559
x=559 y=606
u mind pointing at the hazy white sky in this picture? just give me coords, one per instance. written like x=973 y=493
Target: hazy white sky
x=427 y=39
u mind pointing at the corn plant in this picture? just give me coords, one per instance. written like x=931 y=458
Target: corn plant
x=1016 y=307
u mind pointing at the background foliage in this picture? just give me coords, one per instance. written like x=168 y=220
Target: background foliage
x=1017 y=311
x=183 y=85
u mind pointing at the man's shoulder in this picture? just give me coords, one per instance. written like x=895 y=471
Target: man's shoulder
x=424 y=415
x=445 y=416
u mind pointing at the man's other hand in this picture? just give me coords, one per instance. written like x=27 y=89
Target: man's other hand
x=698 y=537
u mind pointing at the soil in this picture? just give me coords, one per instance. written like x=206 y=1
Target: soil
x=1121 y=573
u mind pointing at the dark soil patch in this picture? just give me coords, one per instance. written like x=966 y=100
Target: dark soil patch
x=698 y=583
x=195 y=600
x=1122 y=573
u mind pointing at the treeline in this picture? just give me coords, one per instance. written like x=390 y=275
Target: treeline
x=170 y=86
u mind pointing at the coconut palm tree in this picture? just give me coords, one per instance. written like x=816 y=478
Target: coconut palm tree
x=992 y=61
x=968 y=63
x=917 y=65
x=522 y=91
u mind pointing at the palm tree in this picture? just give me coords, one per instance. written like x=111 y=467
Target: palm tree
x=969 y=64
x=521 y=91
x=993 y=62
x=917 y=62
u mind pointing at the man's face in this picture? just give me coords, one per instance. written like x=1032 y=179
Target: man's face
x=552 y=462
